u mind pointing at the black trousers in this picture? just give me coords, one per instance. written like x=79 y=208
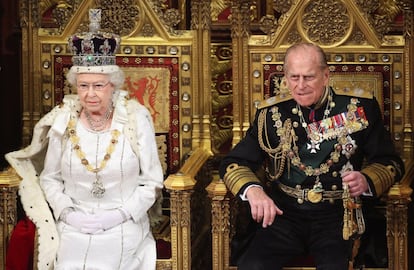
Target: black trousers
x=303 y=229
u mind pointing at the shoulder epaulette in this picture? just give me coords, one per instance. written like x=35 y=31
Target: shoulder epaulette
x=358 y=92
x=274 y=100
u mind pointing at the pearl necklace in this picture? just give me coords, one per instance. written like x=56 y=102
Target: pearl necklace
x=98 y=188
x=100 y=124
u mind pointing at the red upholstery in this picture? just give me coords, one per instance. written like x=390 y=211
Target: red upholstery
x=21 y=245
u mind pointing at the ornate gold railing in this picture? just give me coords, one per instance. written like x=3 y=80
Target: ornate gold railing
x=398 y=198
x=181 y=186
x=9 y=183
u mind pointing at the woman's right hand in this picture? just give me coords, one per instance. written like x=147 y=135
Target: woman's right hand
x=85 y=223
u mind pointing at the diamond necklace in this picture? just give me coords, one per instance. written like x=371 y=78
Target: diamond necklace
x=98 y=188
x=100 y=124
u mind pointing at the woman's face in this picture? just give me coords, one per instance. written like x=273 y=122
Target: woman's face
x=95 y=92
x=305 y=77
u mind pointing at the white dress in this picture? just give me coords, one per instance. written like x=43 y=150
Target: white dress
x=132 y=179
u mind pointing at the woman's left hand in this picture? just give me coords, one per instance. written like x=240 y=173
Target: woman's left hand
x=111 y=218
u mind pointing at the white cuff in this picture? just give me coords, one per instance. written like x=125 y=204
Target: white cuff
x=243 y=195
x=368 y=193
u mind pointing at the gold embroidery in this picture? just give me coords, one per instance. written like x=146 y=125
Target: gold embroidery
x=237 y=176
x=287 y=148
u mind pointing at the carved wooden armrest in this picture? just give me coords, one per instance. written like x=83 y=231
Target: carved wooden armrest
x=180 y=186
x=220 y=224
x=9 y=182
x=398 y=198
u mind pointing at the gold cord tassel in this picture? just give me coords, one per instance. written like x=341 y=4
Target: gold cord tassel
x=354 y=225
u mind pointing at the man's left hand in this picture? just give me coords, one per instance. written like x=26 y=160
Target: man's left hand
x=356 y=181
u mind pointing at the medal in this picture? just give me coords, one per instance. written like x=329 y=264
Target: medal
x=98 y=189
x=313 y=147
x=315 y=141
x=315 y=136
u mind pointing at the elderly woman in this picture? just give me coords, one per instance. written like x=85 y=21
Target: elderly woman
x=101 y=173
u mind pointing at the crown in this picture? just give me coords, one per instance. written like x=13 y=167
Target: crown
x=94 y=48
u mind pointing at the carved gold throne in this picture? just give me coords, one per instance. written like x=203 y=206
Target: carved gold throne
x=160 y=61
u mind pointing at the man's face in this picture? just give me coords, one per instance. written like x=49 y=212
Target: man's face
x=305 y=77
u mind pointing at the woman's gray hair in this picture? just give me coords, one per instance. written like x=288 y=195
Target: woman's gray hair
x=117 y=77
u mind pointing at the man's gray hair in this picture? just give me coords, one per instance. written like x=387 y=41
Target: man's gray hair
x=322 y=56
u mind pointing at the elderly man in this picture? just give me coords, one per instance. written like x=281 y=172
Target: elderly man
x=312 y=143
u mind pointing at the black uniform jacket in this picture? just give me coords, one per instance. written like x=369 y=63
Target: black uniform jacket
x=353 y=134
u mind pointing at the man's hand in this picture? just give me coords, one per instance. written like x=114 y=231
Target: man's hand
x=356 y=181
x=262 y=206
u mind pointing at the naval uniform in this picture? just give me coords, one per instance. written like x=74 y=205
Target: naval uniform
x=303 y=152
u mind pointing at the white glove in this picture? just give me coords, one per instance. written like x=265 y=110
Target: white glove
x=111 y=218
x=85 y=223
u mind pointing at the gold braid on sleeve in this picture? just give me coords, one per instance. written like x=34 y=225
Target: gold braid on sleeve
x=237 y=176
x=382 y=176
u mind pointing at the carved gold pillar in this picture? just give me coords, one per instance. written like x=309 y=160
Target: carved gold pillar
x=31 y=80
x=180 y=186
x=399 y=196
x=220 y=227
x=240 y=24
x=201 y=24
x=9 y=183
x=408 y=6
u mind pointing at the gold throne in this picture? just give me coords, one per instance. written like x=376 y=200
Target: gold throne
x=160 y=61
x=362 y=53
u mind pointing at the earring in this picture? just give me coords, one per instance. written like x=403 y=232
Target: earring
x=114 y=98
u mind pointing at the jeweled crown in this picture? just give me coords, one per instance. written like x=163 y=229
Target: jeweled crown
x=94 y=48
